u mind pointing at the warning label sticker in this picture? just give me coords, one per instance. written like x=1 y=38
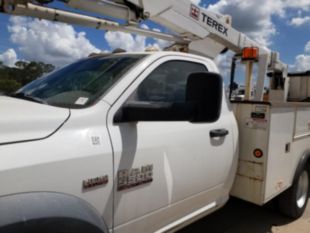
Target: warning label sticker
x=256 y=123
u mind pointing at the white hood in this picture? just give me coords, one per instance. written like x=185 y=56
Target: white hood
x=22 y=120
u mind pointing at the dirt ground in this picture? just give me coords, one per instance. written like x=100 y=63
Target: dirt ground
x=241 y=217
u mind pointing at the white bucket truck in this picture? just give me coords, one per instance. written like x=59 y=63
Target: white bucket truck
x=149 y=142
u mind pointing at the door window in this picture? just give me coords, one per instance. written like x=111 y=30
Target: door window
x=167 y=83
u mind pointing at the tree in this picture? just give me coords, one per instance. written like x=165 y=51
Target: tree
x=8 y=86
x=21 y=64
x=33 y=70
x=12 y=78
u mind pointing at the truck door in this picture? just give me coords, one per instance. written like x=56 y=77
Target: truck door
x=166 y=170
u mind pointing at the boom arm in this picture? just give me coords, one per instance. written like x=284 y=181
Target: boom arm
x=188 y=22
x=201 y=31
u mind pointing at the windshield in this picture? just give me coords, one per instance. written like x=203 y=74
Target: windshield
x=79 y=84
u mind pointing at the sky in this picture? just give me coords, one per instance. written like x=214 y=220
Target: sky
x=281 y=25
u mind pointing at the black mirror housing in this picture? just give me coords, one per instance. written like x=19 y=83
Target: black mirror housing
x=205 y=89
x=150 y=111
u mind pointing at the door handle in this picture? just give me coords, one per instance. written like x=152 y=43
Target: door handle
x=218 y=133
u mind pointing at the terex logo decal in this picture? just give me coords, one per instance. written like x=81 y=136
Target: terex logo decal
x=195 y=12
x=214 y=24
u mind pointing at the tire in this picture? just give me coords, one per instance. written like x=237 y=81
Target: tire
x=52 y=226
x=293 y=202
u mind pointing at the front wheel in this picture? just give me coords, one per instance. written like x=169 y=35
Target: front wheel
x=293 y=202
x=55 y=225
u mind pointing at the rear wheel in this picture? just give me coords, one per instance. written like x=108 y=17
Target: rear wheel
x=294 y=201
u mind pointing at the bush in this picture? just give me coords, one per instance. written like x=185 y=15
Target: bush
x=9 y=86
x=13 y=78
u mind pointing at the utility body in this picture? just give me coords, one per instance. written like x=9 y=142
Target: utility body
x=152 y=141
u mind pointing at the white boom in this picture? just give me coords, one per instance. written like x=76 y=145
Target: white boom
x=199 y=30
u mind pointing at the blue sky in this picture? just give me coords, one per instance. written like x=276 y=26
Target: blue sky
x=290 y=41
x=282 y=25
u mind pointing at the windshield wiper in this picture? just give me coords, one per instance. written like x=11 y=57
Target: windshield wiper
x=23 y=96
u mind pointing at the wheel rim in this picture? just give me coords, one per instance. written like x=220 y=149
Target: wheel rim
x=302 y=189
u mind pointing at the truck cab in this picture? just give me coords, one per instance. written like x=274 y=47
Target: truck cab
x=148 y=142
x=124 y=136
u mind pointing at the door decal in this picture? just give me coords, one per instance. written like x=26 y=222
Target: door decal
x=127 y=179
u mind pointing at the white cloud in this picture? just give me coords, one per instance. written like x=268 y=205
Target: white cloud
x=302 y=61
x=160 y=44
x=125 y=41
x=223 y=62
x=49 y=42
x=255 y=17
x=197 y=2
x=251 y=17
x=9 y=57
x=299 y=21
x=132 y=43
x=302 y=4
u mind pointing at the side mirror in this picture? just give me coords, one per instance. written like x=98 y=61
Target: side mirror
x=205 y=89
x=202 y=105
x=152 y=111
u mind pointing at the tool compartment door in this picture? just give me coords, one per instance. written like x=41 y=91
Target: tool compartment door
x=269 y=128
x=253 y=123
x=279 y=162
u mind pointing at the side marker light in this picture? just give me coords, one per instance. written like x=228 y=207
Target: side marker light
x=258 y=153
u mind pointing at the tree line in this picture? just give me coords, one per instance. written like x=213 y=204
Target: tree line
x=13 y=78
